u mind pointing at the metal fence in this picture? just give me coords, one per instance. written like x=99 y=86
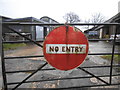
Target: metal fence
x=40 y=68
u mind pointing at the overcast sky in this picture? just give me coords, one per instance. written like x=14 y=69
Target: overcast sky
x=56 y=9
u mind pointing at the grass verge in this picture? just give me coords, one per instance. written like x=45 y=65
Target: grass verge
x=13 y=46
x=116 y=60
x=108 y=57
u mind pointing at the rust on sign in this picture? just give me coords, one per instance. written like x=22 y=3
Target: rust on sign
x=65 y=48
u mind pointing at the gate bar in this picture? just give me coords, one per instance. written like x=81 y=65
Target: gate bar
x=55 y=79
x=20 y=41
x=3 y=69
x=24 y=57
x=93 y=75
x=113 y=50
x=42 y=41
x=7 y=23
x=43 y=55
x=30 y=76
x=55 y=69
x=54 y=24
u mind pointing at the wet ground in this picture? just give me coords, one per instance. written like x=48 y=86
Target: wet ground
x=34 y=63
x=102 y=47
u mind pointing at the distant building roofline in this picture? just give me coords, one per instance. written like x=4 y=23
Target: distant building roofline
x=5 y=18
x=26 y=18
x=113 y=19
x=32 y=19
x=49 y=18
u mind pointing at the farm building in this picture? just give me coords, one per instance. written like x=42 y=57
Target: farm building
x=34 y=32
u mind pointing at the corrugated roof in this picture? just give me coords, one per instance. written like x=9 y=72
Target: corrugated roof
x=26 y=19
x=48 y=18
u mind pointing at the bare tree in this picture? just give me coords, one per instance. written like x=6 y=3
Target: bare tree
x=71 y=17
x=87 y=26
x=97 y=18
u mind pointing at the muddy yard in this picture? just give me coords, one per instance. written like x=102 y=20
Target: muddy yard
x=34 y=63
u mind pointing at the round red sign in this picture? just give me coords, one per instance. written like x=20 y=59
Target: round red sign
x=65 y=47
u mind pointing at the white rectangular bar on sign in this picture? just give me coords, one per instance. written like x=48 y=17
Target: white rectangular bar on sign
x=66 y=48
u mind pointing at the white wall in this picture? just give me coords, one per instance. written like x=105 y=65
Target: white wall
x=39 y=33
x=100 y=33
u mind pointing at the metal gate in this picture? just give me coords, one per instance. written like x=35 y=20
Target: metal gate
x=41 y=68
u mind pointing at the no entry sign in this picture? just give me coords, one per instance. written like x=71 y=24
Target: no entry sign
x=65 y=47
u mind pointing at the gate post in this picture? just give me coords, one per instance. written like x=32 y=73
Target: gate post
x=119 y=64
x=1 y=78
